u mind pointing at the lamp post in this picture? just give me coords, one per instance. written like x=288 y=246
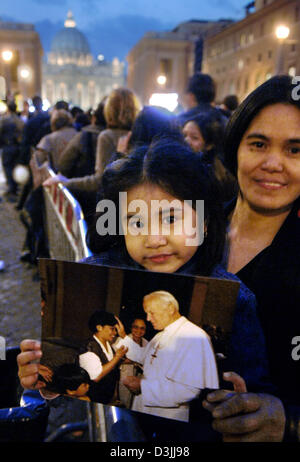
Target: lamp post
x=282 y=32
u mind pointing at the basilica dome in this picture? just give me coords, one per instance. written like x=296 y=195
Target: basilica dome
x=70 y=46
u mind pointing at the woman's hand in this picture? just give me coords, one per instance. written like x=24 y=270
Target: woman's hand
x=242 y=416
x=120 y=328
x=121 y=352
x=55 y=179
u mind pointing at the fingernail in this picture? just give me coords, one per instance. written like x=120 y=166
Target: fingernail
x=226 y=374
x=217 y=413
x=38 y=354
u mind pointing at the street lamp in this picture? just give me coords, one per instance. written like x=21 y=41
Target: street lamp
x=7 y=56
x=25 y=75
x=161 y=79
x=282 y=32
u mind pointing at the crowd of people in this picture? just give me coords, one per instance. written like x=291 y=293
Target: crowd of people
x=243 y=160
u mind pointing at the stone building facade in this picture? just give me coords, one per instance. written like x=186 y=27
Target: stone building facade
x=173 y=54
x=247 y=53
x=22 y=71
x=72 y=74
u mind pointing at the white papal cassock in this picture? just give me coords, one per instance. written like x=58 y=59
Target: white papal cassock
x=178 y=362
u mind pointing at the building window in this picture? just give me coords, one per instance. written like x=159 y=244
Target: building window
x=270 y=53
x=258 y=79
x=292 y=71
x=268 y=75
x=62 y=91
x=165 y=68
x=246 y=85
x=91 y=93
x=50 y=91
x=240 y=64
x=79 y=94
x=293 y=47
x=297 y=14
x=232 y=88
x=259 y=57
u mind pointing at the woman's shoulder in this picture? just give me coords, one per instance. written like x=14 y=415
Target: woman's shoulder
x=220 y=272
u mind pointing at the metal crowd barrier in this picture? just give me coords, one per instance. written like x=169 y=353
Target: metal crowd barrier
x=65 y=224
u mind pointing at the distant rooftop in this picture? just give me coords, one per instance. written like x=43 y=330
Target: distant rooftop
x=15 y=25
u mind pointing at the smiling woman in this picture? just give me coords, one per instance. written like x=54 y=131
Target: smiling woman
x=262 y=147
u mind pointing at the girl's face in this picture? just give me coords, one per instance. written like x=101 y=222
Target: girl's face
x=166 y=250
x=269 y=159
x=193 y=136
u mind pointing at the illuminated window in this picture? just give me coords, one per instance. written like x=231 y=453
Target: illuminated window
x=165 y=68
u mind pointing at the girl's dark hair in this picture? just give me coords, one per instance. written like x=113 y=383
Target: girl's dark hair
x=175 y=168
x=102 y=318
x=278 y=89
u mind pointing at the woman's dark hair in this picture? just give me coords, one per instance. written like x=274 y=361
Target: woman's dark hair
x=278 y=89
x=212 y=129
x=102 y=318
x=69 y=377
x=175 y=168
x=99 y=113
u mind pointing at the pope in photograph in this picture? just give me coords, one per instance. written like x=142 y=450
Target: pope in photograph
x=178 y=362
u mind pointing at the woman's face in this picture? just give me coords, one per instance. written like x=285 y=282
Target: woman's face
x=138 y=329
x=193 y=136
x=106 y=333
x=269 y=159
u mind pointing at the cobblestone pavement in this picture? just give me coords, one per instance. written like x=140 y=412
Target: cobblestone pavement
x=19 y=284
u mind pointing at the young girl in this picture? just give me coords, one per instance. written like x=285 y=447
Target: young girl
x=170 y=171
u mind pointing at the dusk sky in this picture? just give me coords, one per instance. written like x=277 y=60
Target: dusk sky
x=114 y=26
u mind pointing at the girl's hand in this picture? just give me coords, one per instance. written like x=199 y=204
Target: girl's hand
x=29 y=368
